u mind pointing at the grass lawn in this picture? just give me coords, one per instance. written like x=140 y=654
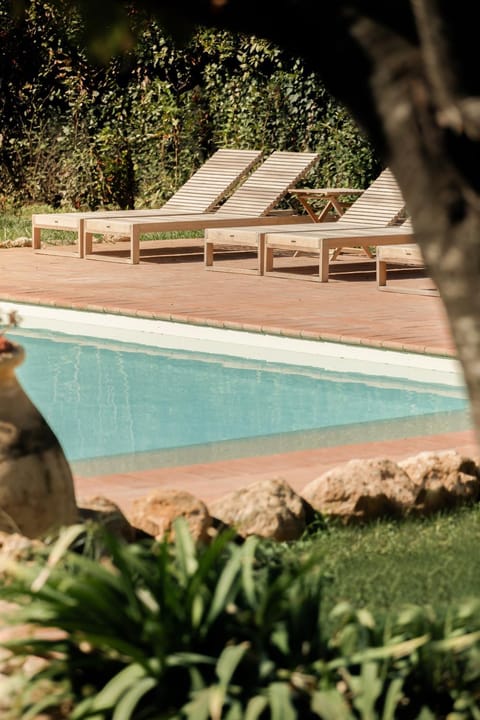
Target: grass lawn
x=428 y=561
x=17 y=223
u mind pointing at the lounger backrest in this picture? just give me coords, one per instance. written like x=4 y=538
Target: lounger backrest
x=212 y=182
x=267 y=185
x=380 y=205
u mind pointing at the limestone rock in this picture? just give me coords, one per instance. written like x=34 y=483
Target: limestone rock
x=17 y=242
x=443 y=479
x=14 y=546
x=156 y=513
x=362 y=490
x=269 y=508
x=102 y=510
x=111 y=238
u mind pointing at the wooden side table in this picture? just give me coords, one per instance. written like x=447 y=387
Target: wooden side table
x=331 y=202
x=329 y=196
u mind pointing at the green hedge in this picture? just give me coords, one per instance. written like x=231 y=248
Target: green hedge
x=129 y=132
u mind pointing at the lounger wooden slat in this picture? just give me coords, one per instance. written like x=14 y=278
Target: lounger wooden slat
x=262 y=191
x=201 y=193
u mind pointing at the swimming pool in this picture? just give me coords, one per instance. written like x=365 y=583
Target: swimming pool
x=118 y=406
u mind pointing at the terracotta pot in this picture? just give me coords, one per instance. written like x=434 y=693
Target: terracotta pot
x=36 y=484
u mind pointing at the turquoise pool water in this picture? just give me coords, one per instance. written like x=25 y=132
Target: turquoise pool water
x=111 y=399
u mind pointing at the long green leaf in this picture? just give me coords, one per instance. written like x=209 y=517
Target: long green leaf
x=111 y=693
x=229 y=660
x=457 y=643
x=255 y=707
x=381 y=653
x=234 y=711
x=188 y=658
x=185 y=550
x=280 y=702
x=124 y=560
x=63 y=544
x=50 y=701
x=199 y=707
x=99 y=604
x=394 y=696
x=216 y=699
x=127 y=704
x=197 y=610
x=225 y=588
x=248 y=561
x=330 y=705
x=366 y=689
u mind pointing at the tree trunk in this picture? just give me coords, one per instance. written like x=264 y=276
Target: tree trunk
x=429 y=149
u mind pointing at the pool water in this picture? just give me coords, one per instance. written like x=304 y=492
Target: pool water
x=107 y=399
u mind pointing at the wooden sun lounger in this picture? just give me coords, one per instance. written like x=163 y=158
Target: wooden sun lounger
x=381 y=205
x=249 y=205
x=200 y=194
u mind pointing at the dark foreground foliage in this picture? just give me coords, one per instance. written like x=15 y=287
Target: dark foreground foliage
x=152 y=631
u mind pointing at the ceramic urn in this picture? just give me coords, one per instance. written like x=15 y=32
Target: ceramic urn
x=36 y=484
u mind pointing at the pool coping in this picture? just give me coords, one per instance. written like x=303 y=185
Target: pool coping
x=238 y=326
x=310 y=351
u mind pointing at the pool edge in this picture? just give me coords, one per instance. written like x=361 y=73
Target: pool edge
x=241 y=327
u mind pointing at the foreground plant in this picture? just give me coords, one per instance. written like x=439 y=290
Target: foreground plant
x=160 y=628
x=156 y=630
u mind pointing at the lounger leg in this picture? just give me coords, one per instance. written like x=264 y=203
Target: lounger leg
x=323 y=265
x=381 y=272
x=87 y=243
x=80 y=238
x=134 y=246
x=36 y=237
x=268 y=262
x=261 y=253
x=208 y=253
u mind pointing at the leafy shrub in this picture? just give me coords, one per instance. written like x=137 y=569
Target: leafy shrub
x=76 y=133
x=229 y=631
x=168 y=629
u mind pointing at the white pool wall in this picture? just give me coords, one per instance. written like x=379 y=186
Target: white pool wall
x=340 y=357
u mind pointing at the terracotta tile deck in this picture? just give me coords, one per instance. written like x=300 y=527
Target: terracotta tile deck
x=172 y=284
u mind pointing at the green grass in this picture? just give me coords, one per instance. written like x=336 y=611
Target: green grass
x=17 y=223
x=429 y=561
